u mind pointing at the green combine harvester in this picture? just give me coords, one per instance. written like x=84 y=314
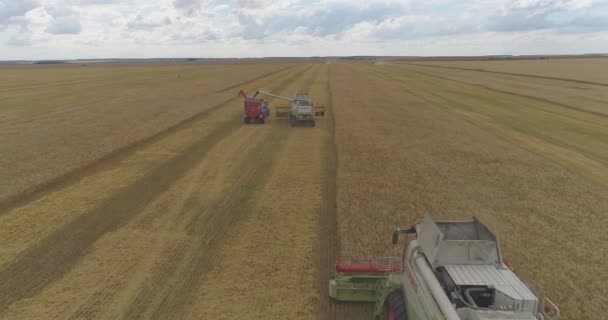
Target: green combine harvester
x=452 y=270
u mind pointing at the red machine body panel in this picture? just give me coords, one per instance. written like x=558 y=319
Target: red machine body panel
x=253 y=108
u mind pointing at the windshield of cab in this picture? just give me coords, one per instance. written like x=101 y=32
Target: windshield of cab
x=303 y=102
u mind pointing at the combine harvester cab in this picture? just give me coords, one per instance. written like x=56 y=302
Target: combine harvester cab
x=452 y=270
x=301 y=109
x=254 y=110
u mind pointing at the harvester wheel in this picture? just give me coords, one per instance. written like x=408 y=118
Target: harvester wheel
x=395 y=306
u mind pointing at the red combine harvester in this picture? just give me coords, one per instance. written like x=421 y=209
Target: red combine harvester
x=254 y=110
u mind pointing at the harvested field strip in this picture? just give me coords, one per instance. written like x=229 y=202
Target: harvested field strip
x=170 y=291
x=559 y=133
x=242 y=84
x=81 y=91
x=256 y=263
x=156 y=265
x=515 y=74
x=588 y=98
x=46 y=261
x=34 y=191
x=227 y=207
x=56 y=254
x=190 y=265
x=52 y=79
x=329 y=241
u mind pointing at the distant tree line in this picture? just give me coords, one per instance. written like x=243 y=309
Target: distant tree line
x=50 y=62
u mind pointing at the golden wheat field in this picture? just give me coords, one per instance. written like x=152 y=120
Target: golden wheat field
x=592 y=71
x=134 y=191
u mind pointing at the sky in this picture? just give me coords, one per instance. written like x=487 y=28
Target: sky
x=91 y=29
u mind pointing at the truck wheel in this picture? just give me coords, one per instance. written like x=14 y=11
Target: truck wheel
x=395 y=306
x=312 y=123
x=246 y=120
x=261 y=120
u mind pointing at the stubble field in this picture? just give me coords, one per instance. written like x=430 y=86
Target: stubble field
x=60 y=118
x=136 y=192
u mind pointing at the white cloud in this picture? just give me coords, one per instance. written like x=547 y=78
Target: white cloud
x=10 y=9
x=151 y=22
x=165 y=28
x=18 y=40
x=65 y=19
x=190 y=7
x=65 y=25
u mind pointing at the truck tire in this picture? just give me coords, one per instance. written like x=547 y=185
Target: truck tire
x=262 y=120
x=395 y=306
x=246 y=120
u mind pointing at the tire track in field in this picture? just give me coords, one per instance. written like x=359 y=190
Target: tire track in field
x=517 y=94
x=329 y=241
x=54 y=256
x=168 y=280
x=543 y=137
x=188 y=202
x=581 y=111
x=329 y=246
x=171 y=290
x=35 y=192
x=57 y=254
x=242 y=84
x=90 y=309
x=229 y=210
x=166 y=295
x=511 y=74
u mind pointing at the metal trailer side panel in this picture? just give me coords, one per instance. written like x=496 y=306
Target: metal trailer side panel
x=464 y=242
x=512 y=293
x=422 y=289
